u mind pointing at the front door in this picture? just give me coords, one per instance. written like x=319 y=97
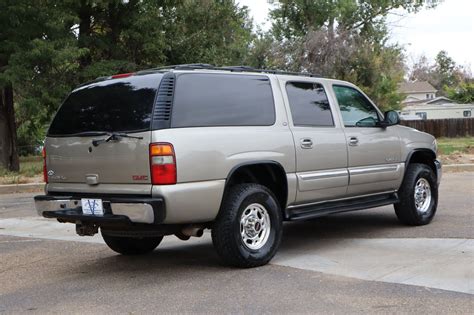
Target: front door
x=374 y=153
x=321 y=154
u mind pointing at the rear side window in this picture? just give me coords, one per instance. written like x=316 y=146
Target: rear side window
x=119 y=105
x=222 y=100
x=309 y=104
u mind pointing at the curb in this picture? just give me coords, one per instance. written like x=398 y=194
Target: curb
x=21 y=188
x=458 y=167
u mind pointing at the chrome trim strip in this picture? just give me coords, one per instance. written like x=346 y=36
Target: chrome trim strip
x=323 y=174
x=374 y=169
x=340 y=199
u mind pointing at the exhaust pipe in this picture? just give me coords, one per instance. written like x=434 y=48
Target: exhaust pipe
x=193 y=230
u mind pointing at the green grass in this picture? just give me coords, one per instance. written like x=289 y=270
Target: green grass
x=30 y=166
x=447 y=146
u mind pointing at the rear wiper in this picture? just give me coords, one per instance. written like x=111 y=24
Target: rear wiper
x=114 y=136
x=89 y=134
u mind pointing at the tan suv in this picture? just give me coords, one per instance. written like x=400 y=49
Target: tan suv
x=236 y=150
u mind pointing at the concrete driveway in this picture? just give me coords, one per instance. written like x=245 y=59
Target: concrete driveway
x=360 y=262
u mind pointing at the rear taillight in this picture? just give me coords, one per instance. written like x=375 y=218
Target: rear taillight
x=45 y=170
x=162 y=164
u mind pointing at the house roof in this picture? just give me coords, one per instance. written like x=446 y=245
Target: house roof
x=433 y=101
x=416 y=87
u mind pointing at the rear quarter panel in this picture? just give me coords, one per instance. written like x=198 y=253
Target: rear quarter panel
x=206 y=155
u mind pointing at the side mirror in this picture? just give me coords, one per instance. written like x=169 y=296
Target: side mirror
x=391 y=118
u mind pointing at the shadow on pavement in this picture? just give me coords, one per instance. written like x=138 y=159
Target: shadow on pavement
x=316 y=234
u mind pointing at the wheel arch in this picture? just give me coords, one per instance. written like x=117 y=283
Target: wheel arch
x=268 y=173
x=423 y=156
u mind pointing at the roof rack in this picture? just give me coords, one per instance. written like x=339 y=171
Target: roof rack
x=205 y=66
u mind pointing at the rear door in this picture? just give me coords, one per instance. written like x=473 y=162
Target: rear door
x=374 y=153
x=321 y=153
x=94 y=112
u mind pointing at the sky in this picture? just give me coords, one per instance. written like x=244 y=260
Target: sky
x=449 y=26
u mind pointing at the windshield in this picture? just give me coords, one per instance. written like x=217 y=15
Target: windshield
x=119 y=105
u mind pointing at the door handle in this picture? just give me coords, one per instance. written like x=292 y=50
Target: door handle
x=353 y=141
x=306 y=143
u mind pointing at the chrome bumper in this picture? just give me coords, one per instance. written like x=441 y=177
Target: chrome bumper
x=133 y=210
x=439 y=171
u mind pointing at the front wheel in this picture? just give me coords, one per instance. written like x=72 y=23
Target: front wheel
x=131 y=245
x=248 y=229
x=418 y=195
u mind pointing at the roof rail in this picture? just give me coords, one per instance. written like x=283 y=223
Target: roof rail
x=205 y=66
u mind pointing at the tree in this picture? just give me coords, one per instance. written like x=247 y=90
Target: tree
x=48 y=47
x=295 y=18
x=444 y=74
x=22 y=23
x=344 y=40
x=464 y=93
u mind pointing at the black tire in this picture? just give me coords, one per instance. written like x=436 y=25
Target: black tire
x=131 y=245
x=226 y=231
x=406 y=209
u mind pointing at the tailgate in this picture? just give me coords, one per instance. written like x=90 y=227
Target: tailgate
x=77 y=160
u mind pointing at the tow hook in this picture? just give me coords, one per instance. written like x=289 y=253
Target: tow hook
x=86 y=229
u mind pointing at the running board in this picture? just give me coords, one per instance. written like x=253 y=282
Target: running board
x=304 y=212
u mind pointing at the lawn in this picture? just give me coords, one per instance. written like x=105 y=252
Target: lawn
x=31 y=170
x=448 y=146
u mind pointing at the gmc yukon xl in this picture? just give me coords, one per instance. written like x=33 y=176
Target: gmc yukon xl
x=181 y=149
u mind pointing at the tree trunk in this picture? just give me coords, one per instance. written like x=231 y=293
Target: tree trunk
x=84 y=13
x=8 y=140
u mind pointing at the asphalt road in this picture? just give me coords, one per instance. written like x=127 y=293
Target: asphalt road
x=360 y=262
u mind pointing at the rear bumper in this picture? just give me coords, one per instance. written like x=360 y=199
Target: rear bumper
x=439 y=171
x=117 y=210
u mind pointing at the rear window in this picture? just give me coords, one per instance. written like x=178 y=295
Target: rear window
x=119 y=105
x=222 y=100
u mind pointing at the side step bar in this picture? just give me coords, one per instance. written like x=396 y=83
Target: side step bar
x=321 y=209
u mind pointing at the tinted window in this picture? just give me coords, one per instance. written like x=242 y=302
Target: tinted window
x=112 y=106
x=222 y=100
x=356 y=109
x=309 y=104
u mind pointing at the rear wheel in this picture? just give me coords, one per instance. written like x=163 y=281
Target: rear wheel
x=131 y=245
x=418 y=195
x=247 y=232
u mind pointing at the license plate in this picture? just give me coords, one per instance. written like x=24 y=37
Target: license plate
x=92 y=207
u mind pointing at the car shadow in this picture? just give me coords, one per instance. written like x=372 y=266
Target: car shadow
x=297 y=236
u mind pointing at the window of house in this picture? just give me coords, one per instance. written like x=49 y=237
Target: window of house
x=467 y=113
x=422 y=115
x=309 y=104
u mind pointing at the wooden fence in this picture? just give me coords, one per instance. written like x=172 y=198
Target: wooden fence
x=456 y=127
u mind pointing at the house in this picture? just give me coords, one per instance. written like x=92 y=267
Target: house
x=417 y=91
x=421 y=104
x=436 y=111
x=440 y=100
